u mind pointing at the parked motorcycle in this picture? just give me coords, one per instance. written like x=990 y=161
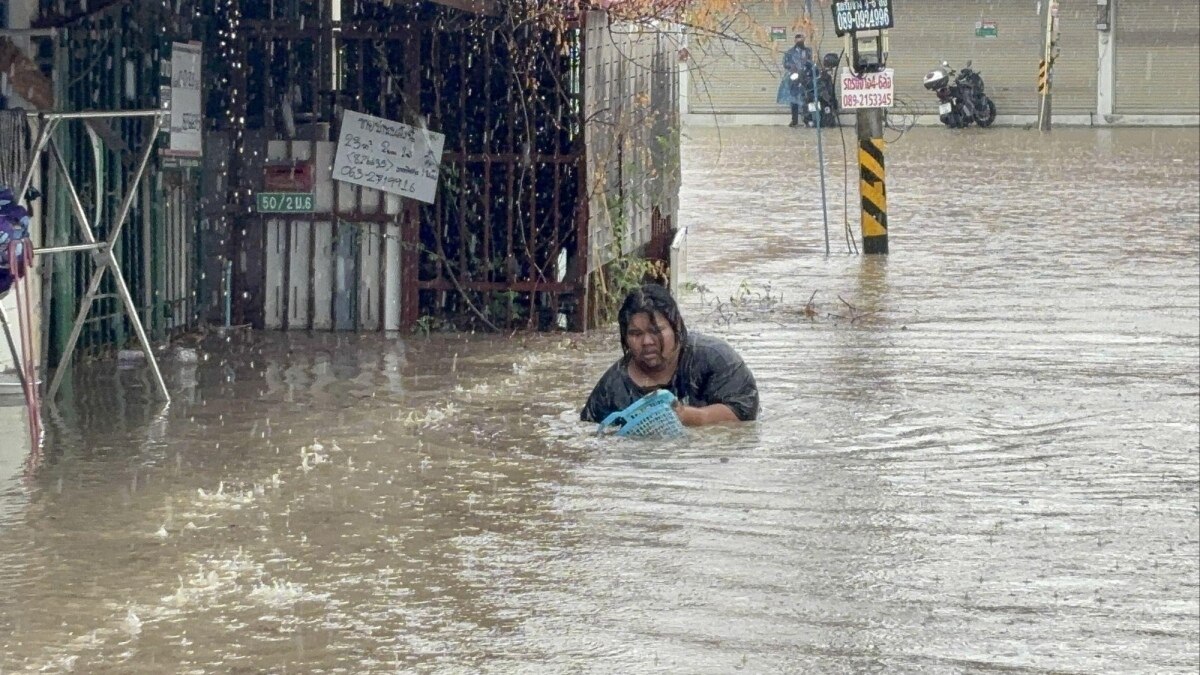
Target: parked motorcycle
x=827 y=100
x=961 y=97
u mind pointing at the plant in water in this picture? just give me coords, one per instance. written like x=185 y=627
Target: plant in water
x=624 y=272
x=428 y=324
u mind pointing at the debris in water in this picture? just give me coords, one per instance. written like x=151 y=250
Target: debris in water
x=132 y=624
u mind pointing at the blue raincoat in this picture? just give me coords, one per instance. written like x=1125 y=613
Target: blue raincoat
x=797 y=59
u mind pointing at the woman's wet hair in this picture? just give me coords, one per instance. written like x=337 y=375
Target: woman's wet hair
x=648 y=299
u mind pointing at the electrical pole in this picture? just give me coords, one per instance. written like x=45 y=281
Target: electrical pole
x=1046 y=67
x=814 y=105
x=871 y=185
x=864 y=25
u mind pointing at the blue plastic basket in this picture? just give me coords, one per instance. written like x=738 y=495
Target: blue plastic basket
x=651 y=416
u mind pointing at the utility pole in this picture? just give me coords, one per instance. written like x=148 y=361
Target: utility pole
x=871 y=184
x=1046 y=67
x=868 y=88
x=814 y=105
x=1106 y=75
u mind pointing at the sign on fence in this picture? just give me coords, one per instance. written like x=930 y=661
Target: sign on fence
x=183 y=97
x=284 y=202
x=389 y=156
x=872 y=90
x=851 y=16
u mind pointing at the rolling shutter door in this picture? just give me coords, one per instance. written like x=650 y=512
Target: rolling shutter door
x=729 y=76
x=928 y=33
x=1075 y=69
x=1157 y=57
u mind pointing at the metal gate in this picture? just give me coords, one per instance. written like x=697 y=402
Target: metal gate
x=111 y=59
x=173 y=261
x=338 y=268
x=504 y=91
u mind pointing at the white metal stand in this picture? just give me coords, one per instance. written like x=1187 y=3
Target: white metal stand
x=102 y=251
x=12 y=344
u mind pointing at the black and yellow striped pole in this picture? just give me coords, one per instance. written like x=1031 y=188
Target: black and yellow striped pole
x=872 y=186
x=1046 y=66
x=1044 y=100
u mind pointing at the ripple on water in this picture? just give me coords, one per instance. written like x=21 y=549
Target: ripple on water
x=979 y=454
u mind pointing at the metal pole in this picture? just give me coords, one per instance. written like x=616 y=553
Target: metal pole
x=95 y=246
x=98 y=114
x=122 y=289
x=1046 y=68
x=131 y=309
x=76 y=329
x=76 y=205
x=816 y=102
x=872 y=187
x=228 y=282
x=28 y=32
x=126 y=203
x=47 y=127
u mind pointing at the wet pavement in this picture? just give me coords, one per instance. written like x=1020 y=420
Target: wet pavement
x=979 y=454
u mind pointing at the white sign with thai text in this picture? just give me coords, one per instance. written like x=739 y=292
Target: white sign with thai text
x=185 y=136
x=872 y=90
x=389 y=156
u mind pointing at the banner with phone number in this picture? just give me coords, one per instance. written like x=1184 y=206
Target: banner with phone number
x=872 y=90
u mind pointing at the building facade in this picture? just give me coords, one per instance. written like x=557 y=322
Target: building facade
x=1124 y=62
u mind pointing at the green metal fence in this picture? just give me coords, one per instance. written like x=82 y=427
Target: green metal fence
x=114 y=59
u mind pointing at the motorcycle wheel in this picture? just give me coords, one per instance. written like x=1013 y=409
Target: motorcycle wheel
x=985 y=113
x=828 y=116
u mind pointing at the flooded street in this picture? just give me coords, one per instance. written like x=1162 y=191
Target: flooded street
x=978 y=454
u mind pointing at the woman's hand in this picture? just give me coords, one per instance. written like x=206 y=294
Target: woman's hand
x=701 y=416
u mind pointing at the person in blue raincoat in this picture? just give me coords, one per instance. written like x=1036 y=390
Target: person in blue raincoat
x=797 y=64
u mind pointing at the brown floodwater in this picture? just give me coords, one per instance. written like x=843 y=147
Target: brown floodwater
x=978 y=454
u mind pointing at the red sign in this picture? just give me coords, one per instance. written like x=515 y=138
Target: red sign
x=289 y=176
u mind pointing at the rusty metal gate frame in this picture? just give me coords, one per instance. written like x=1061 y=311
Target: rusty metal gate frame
x=516 y=187
x=516 y=101
x=538 y=154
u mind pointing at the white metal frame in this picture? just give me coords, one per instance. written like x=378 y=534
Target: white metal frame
x=101 y=251
x=12 y=345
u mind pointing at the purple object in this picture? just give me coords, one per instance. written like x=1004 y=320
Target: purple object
x=14 y=227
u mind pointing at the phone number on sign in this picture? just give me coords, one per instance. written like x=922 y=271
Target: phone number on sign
x=867 y=100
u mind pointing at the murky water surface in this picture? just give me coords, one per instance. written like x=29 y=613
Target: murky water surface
x=980 y=454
